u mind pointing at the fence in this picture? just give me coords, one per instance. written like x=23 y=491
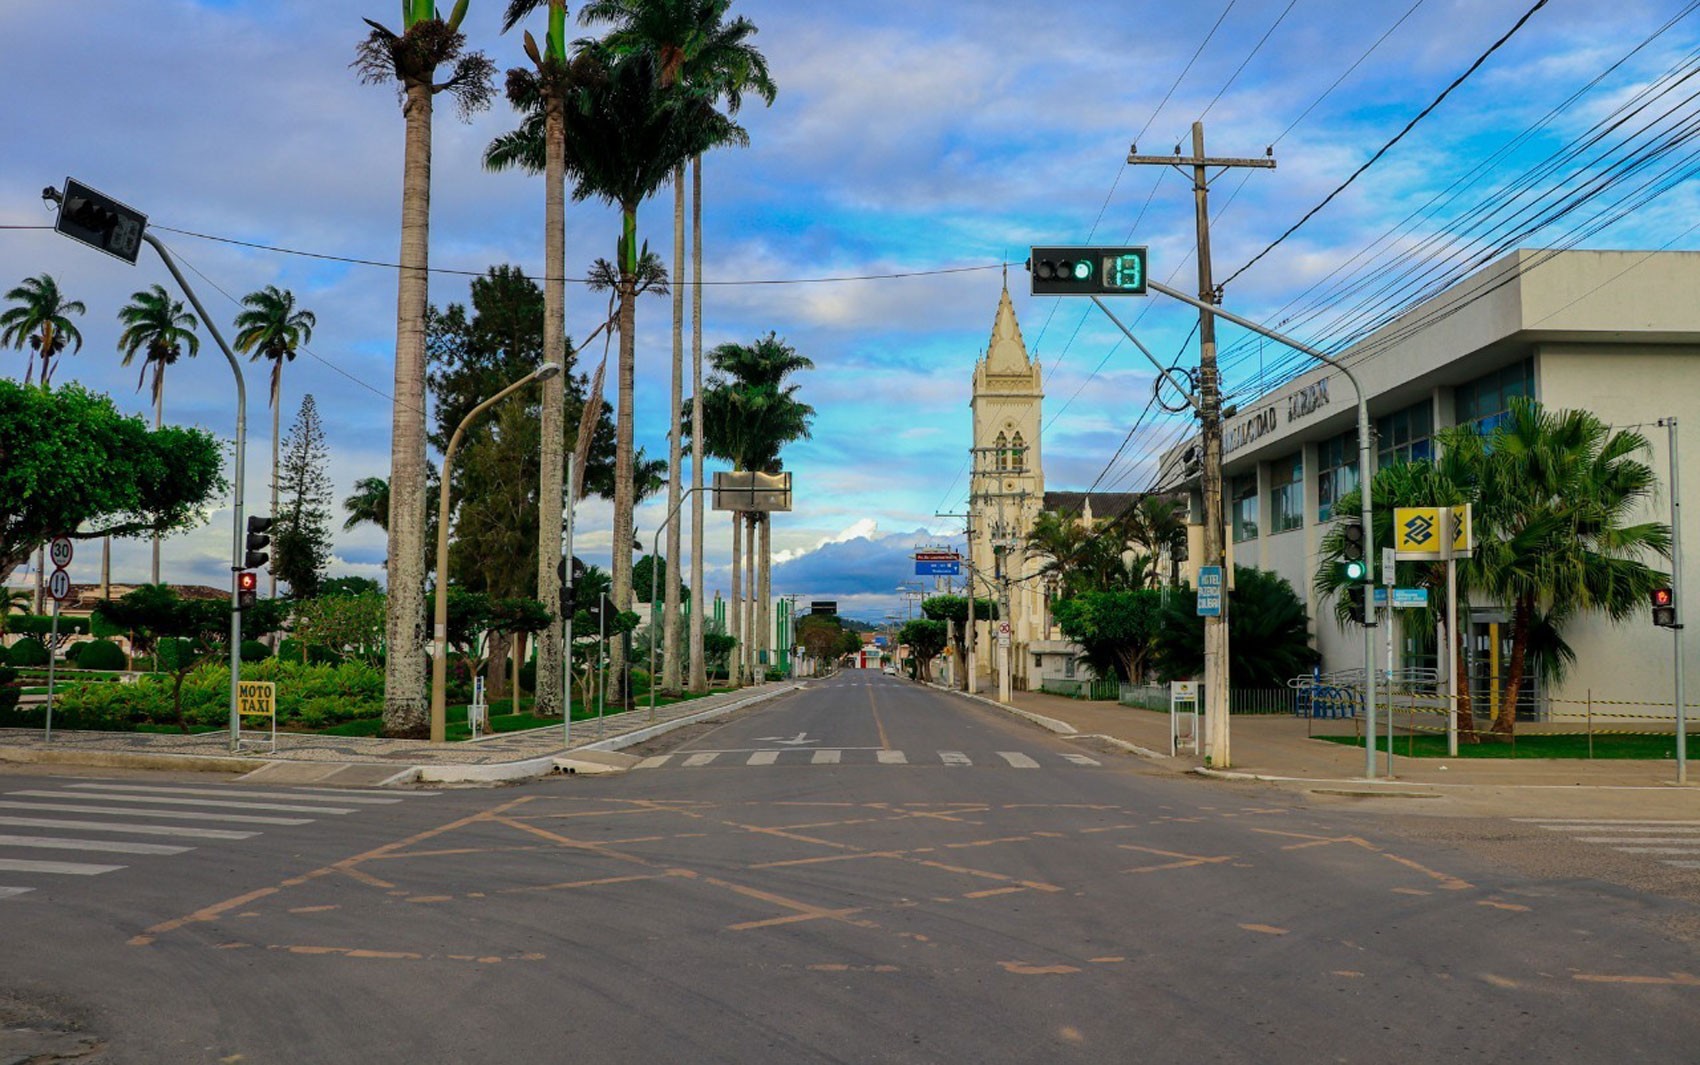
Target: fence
x=1244 y=701
x=1079 y=689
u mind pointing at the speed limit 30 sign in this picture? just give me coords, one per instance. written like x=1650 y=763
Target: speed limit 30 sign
x=59 y=551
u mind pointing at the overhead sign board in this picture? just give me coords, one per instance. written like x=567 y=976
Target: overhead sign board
x=1210 y=591
x=824 y=606
x=746 y=491
x=937 y=568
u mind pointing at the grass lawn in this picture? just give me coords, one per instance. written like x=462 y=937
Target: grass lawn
x=1648 y=748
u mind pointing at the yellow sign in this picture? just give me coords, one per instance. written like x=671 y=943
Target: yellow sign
x=256 y=698
x=1462 y=522
x=1417 y=531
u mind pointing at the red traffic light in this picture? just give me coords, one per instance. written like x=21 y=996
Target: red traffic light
x=248 y=581
x=1663 y=597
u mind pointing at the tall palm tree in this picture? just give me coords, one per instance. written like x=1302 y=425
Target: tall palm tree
x=698 y=53
x=624 y=136
x=409 y=60
x=544 y=88
x=161 y=331
x=272 y=328
x=369 y=505
x=41 y=319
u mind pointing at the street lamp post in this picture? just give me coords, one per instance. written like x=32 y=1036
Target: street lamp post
x=654 y=570
x=440 y=627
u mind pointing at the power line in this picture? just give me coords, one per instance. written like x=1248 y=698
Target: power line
x=1347 y=73
x=1249 y=55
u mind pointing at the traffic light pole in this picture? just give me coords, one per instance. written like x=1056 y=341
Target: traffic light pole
x=236 y=493
x=1676 y=601
x=1364 y=478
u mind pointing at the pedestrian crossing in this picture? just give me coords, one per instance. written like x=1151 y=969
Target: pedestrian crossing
x=97 y=821
x=830 y=756
x=1674 y=843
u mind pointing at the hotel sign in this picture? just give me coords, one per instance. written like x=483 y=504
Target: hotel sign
x=1302 y=403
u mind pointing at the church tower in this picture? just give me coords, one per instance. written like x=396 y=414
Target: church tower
x=1006 y=488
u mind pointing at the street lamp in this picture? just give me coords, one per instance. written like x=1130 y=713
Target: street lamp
x=440 y=631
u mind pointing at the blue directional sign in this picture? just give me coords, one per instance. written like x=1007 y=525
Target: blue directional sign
x=1409 y=598
x=1210 y=591
x=926 y=568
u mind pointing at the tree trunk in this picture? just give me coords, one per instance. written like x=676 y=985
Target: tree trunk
x=406 y=708
x=519 y=661
x=764 y=594
x=1461 y=684
x=158 y=421
x=751 y=665
x=623 y=485
x=39 y=604
x=1506 y=722
x=699 y=664
x=106 y=567
x=675 y=455
x=550 y=682
x=495 y=675
x=734 y=628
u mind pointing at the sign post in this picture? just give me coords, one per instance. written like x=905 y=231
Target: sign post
x=59 y=550
x=1183 y=699
x=257 y=698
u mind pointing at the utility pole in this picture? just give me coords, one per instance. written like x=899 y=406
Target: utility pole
x=968 y=634
x=1216 y=750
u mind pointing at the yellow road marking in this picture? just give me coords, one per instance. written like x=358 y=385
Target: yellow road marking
x=885 y=744
x=1183 y=861
x=1023 y=969
x=1266 y=929
x=1673 y=980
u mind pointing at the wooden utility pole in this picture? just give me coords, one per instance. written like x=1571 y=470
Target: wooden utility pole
x=1216 y=750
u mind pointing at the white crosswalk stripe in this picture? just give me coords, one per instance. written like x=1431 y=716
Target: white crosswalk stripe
x=1666 y=841
x=827 y=757
x=893 y=758
x=954 y=758
x=763 y=758
x=857 y=756
x=702 y=758
x=653 y=762
x=1017 y=760
x=62 y=820
x=1081 y=759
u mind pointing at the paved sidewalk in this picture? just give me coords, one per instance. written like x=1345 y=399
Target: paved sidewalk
x=1280 y=746
x=502 y=756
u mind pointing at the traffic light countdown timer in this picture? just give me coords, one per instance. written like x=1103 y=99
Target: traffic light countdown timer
x=100 y=221
x=1083 y=271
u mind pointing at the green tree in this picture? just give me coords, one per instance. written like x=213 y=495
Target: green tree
x=954 y=608
x=74 y=465
x=184 y=632
x=926 y=640
x=368 y=505
x=1268 y=632
x=158 y=327
x=301 y=544
x=348 y=586
x=409 y=60
x=40 y=319
x=699 y=53
x=1117 y=630
x=350 y=625
x=271 y=328
x=819 y=636
x=519 y=618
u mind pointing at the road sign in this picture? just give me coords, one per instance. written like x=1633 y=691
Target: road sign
x=823 y=606
x=937 y=568
x=59 y=551
x=59 y=585
x=1409 y=598
x=1210 y=591
x=256 y=698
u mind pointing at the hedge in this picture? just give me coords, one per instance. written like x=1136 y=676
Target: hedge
x=101 y=654
x=311 y=696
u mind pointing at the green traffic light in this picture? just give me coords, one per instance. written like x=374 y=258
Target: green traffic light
x=1354 y=570
x=1082 y=269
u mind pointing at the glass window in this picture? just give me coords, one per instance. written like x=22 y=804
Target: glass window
x=1405 y=435
x=1484 y=402
x=1243 y=492
x=1287 y=493
x=1001 y=452
x=1337 y=465
x=1018 y=452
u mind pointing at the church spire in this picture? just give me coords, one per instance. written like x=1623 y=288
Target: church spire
x=1006 y=352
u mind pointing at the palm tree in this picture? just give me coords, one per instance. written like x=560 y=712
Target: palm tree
x=624 y=136
x=544 y=89
x=698 y=53
x=409 y=60
x=369 y=505
x=41 y=319
x=272 y=328
x=157 y=327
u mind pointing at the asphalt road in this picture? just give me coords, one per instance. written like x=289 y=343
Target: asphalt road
x=867 y=871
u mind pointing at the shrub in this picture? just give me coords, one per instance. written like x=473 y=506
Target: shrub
x=5 y=656
x=308 y=696
x=255 y=651
x=73 y=652
x=290 y=650
x=101 y=654
x=28 y=651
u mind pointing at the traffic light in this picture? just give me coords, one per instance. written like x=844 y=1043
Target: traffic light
x=247 y=589
x=1080 y=271
x=1664 y=608
x=1352 y=565
x=1355 y=602
x=100 y=221
x=569 y=599
x=259 y=538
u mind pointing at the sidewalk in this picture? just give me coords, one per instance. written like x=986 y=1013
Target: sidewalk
x=304 y=758
x=1277 y=746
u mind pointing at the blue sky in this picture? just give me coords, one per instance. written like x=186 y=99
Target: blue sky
x=906 y=137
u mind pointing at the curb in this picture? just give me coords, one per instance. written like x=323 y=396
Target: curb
x=1130 y=748
x=632 y=739
x=1061 y=728
x=199 y=763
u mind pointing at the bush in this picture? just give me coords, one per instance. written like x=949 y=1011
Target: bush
x=255 y=651
x=308 y=696
x=28 y=651
x=5 y=656
x=100 y=654
x=290 y=651
x=73 y=652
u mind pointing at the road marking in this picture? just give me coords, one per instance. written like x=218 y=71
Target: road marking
x=113 y=846
x=1584 y=822
x=1622 y=828
x=1658 y=850
x=701 y=758
x=134 y=830
x=13 y=892
x=174 y=815
x=653 y=762
x=954 y=758
x=1695 y=841
x=892 y=758
x=1684 y=865
x=24 y=865
x=1017 y=760
x=1266 y=929
x=242 y=794
x=165 y=801
x=1081 y=759
x=763 y=758
x=826 y=757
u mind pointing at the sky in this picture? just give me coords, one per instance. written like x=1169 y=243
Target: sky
x=936 y=141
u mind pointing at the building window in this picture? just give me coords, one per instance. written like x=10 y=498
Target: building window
x=1068 y=666
x=1406 y=435
x=1243 y=492
x=1337 y=462
x=1484 y=402
x=1017 y=452
x=1001 y=451
x=1287 y=493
